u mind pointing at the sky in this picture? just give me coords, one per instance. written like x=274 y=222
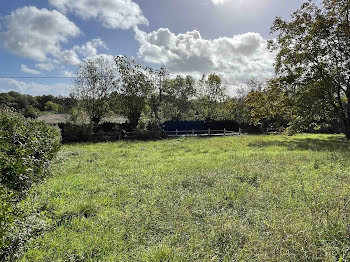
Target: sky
x=43 y=41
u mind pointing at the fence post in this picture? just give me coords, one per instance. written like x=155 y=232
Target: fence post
x=176 y=132
x=209 y=131
x=240 y=131
x=193 y=132
x=224 y=131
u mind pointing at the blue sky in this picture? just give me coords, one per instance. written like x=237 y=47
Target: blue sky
x=44 y=38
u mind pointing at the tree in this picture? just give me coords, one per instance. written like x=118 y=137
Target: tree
x=42 y=100
x=134 y=87
x=211 y=94
x=18 y=101
x=269 y=104
x=51 y=106
x=237 y=108
x=78 y=116
x=313 y=61
x=93 y=86
x=156 y=101
x=178 y=93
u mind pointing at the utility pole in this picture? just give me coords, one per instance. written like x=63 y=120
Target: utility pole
x=162 y=73
x=160 y=87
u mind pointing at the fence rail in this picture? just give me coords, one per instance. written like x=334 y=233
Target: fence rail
x=222 y=132
x=213 y=132
x=207 y=132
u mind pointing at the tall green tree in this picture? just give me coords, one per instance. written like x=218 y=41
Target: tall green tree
x=211 y=93
x=156 y=101
x=313 y=60
x=51 y=106
x=133 y=89
x=94 y=85
x=178 y=95
x=270 y=105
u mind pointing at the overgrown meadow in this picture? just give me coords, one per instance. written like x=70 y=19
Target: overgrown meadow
x=244 y=198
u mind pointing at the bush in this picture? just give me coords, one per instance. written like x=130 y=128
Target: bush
x=26 y=148
x=31 y=112
x=6 y=215
x=72 y=133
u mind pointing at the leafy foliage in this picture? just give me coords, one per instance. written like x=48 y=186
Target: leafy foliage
x=51 y=106
x=93 y=86
x=313 y=60
x=210 y=94
x=270 y=105
x=178 y=95
x=135 y=86
x=30 y=106
x=6 y=215
x=26 y=148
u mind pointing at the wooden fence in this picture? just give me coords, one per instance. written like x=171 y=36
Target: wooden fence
x=224 y=132
x=208 y=132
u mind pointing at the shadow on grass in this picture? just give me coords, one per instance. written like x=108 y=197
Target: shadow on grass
x=331 y=144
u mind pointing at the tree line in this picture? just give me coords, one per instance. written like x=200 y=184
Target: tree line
x=31 y=106
x=139 y=92
x=310 y=90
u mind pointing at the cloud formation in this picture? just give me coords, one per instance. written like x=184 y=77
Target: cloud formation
x=219 y=2
x=113 y=14
x=69 y=57
x=89 y=49
x=46 y=66
x=36 y=33
x=26 y=69
x=237 y=59
x=33 y=88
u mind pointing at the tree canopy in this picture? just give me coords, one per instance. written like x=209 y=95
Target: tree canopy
x=93 y=86
x=313 y=61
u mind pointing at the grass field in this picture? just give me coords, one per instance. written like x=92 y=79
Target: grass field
x=249 y=198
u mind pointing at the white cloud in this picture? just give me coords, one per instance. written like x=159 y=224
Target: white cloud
x=33 y=88
x=90 y=48
x=37 y=33
x=68 y=73
x=114 y=14
x=236 y=59
x=219 y=2
x=46 y=66
x=26 y=69
x=69 y=57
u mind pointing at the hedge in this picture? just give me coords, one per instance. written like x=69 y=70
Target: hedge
x=26 y=148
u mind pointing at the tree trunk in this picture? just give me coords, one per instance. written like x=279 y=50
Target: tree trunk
x=95 y=120
x=134 y=118
x=347 y=128
x=347 y=120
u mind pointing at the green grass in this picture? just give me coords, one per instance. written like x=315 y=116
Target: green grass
x=249 y=198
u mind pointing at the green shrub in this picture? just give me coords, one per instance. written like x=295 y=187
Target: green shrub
x=26 y=148
x=6 y=215
x=72 y=133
